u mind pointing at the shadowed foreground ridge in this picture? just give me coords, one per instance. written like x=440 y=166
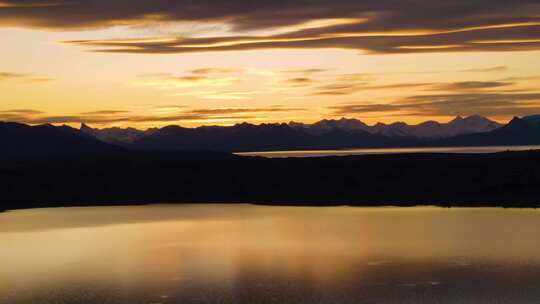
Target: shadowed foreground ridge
x=133 y=177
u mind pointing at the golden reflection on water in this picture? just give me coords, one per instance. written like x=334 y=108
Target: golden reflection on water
x=244 y=253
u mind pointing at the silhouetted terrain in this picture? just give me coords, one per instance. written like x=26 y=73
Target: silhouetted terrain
x=507 y=179
x=326 y=134
x=247 y=137
x=23 y=141
x=519 y=131
x=47 y=140
x=46 y=166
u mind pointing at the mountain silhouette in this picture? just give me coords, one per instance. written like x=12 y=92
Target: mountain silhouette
x=21 y=141
x=436 y=130
x=519 y=131
x=249 y=137
x=325 y=134
x=48 y=140
x=117 y=136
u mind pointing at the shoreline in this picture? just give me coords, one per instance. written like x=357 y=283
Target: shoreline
x=399 y=150
x=502 y=205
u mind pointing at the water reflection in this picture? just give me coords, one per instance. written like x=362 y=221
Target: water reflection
x=254 y=254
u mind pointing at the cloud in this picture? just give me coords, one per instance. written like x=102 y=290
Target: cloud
x=244 y=110
x=491 y=104
x=168 y=107
x=74 y=119
x=500 y=68
x=209 y=83
x=9 y=76
x=25 y=78
x=514 y=36
x=299 y=81
x=221 y=95
x=306 y=71
x=353 y=87
x=105 y=112
x=372 y=26
x=373 y=15
x=170 y=81
x=18 y=114
x=345 y=84
x=469 y=85
x=522 y=78
x=107 y=119
x=38 y=80
x=22 y=111
x=206 y=71
x=14 y=4
x=354 y=83
x=126 y=117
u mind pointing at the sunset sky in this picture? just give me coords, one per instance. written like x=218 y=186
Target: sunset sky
x=153 y=63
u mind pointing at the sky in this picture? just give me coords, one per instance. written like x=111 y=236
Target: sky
x=143 y=63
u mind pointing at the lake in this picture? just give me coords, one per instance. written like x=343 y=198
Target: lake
x=257 y=254
x=366 y=151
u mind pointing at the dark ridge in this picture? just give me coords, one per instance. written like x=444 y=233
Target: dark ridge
x=43 y=141
x=519 y=131
x=510 y=179
x=325 y=134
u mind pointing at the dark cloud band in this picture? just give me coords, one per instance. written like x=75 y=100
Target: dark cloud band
x=490 y=104
x=379 y=26
x=118 y=116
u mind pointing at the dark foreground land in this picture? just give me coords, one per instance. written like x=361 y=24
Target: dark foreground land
x=510 y=179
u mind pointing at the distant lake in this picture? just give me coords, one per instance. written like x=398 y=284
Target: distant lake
x=319 y=153
x=256 y=254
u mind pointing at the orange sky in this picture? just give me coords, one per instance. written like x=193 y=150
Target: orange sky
x=241 y=64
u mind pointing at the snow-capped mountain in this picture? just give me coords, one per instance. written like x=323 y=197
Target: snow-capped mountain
x=118 y=136
x=425 y=130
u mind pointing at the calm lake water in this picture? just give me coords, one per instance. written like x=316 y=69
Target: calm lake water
x=256 y=254
x=319 y=153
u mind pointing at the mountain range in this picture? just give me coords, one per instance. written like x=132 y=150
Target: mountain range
x=399 y=130
x=425 y=130
x=47 y=140
x=519 y=131
x=325 y=134
x=21 y=141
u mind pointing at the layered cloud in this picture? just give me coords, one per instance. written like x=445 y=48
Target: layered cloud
x=372 y=26
x=504 y=37
x=211 y=83
x=491 y=104
x=9 y=76
x=23 y=78
x=173 y=114
x=340 y=88
x=299 y=81
x=499 y=68
x=378 y=15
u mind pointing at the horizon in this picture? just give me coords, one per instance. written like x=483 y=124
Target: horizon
x=324 y=119
x=90 y=125
x=151 y=64
x=78 y=125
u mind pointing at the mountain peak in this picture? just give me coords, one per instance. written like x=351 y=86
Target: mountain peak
x=457 y=119
x=475 y=116
x=518 y=124
x=516 y=121
x=478 y=118
x=84 y=127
